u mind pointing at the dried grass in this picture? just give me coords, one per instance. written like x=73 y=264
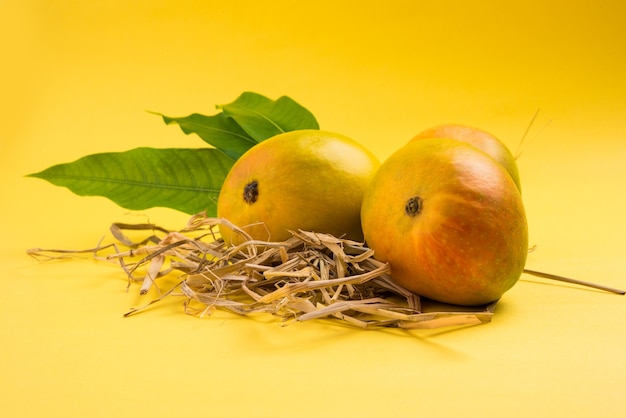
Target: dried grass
x=309 y=276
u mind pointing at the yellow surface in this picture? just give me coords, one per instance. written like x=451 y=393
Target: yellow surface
x=78 y=77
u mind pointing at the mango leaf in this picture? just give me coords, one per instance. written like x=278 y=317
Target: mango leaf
x=263 y=118
x=219 y=131
x=188 y=180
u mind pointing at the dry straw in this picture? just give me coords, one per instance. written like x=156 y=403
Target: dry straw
x=311 y=275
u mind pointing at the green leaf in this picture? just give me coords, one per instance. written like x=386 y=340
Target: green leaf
x=263 y=118
x=188 y=180
x=219 y=131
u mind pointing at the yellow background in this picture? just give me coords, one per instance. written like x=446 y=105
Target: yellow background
x=77 y=78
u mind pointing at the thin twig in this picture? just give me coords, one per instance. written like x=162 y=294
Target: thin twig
x=574 y=281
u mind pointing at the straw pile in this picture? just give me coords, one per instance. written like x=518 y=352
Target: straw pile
x=311 y=275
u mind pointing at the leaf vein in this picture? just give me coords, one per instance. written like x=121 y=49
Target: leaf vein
x=134 y=183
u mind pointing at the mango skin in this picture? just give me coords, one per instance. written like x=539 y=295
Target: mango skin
x=469 y=242
x=479 y=138
x=307 y=179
